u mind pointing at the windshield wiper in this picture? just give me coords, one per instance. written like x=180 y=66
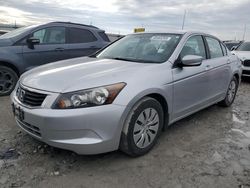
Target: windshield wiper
x=122 y=59
x=132 y=60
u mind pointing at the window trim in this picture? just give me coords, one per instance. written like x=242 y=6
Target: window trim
x=222 y=45
x=208 y=46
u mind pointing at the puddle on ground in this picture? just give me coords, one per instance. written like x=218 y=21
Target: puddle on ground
x=243 y=138
x=237 y=120
x=246 y=134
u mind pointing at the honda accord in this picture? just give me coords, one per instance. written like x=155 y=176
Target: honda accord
x=125 y=95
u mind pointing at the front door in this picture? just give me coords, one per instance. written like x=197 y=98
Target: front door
x=191 y=84
x=52 y=47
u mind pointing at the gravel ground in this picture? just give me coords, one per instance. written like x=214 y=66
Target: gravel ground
x=208 y=149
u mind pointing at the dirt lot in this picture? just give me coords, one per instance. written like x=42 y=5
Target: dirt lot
x=209 y=149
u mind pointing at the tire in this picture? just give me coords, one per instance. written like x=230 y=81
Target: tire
x=142 y=127
x=8 y=80
x=231 y=93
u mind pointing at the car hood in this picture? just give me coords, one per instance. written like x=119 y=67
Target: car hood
x=243 y=55
x=5 y=42
x=80 y=73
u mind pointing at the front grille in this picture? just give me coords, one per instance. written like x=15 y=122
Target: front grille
x=246 y=63
x=30 y=128
x=246 y=72
x=30 y=98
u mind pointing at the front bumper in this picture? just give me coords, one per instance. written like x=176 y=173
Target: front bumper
x=85 y=130
x=245 y=71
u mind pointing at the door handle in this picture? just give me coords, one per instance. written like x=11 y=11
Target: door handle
x=93 y=46
x=208 y=67
x=59 y=49
x=228 y=61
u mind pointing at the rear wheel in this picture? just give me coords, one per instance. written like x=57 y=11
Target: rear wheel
x=231 y=93
x=8 y=80
x=142 y=128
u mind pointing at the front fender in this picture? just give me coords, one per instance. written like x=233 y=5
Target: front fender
x=165 y=92
x=12 y=56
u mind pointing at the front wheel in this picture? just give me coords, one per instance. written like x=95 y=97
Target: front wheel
x=231 y=93
x=142 y=128
x=8 y=80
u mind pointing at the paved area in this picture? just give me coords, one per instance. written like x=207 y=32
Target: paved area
x=208 y=149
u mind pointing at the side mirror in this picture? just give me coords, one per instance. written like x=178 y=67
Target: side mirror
x=32 y=41
x=191 y=60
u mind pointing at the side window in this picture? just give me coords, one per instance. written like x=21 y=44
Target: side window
x=194 y=46
x=80 y=36
x=51 y=35
x=104 y=36
x=39 y=35
x=214 y=47
x=224 y=49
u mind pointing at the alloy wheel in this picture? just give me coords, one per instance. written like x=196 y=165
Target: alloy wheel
x=6 y=81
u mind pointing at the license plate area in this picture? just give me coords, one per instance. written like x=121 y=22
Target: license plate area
x=18 y=112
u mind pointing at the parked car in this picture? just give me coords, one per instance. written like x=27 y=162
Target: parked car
x=2 y=32
x=127 y=93
x=28 y=47
x=243 y=52
x=231 y=45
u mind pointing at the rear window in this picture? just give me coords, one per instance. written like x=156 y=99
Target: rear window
x=77 y=35
x=104 y=36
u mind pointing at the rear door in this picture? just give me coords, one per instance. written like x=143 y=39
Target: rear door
x=191 y=84
x=218 y=69
x=81 y=42
x=52 y=47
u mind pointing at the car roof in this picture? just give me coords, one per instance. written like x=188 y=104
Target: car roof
x=71 y=23
x=181 y=32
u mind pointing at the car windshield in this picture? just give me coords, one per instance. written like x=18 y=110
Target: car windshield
x=145 y=48
x=16 y=32
x=244 y=47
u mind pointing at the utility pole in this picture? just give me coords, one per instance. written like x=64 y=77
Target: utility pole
x=244 y=32
x=184 y=19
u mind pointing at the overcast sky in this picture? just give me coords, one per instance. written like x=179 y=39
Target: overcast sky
x=223 y=18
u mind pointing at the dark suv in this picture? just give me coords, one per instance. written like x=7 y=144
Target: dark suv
x=28 y=47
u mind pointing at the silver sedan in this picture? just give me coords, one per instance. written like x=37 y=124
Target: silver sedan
x=125 y=95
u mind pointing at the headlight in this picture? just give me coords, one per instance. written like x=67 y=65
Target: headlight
x=242 y=62
x=89 y=97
